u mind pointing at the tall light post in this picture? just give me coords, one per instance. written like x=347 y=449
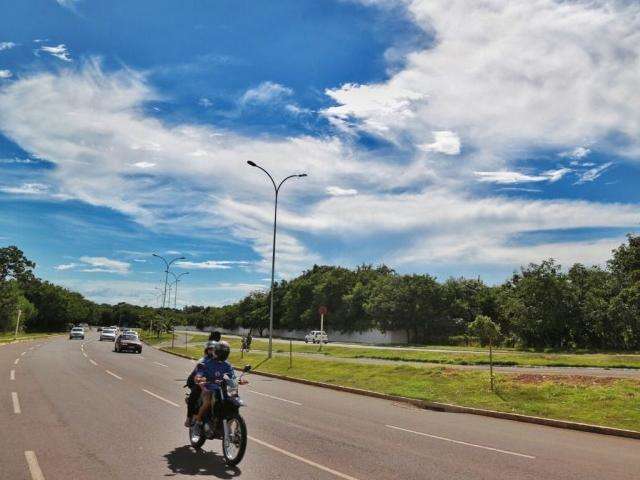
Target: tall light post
x=276 y=188
x=175 y=291
x=166 y=275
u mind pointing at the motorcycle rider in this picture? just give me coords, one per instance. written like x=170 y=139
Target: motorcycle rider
x=209 y=375
x=192 y=400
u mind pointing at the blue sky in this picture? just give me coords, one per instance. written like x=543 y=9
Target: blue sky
x=438 y=137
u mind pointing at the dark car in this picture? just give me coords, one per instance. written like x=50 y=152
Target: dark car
x=128 y=342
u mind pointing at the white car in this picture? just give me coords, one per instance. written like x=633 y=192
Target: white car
x=316 y=336
x=76 y=332
x=108 y=334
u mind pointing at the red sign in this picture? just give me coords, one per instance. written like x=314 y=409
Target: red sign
x=322 y=310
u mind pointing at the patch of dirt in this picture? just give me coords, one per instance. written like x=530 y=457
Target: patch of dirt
x=577 y=380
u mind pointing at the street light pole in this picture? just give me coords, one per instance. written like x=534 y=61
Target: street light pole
x=166 y=275
x=175 y=291
x=273 y=252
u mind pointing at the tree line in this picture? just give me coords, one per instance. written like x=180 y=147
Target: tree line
x=540 y=306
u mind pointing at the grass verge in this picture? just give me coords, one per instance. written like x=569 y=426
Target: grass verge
x=8 y=337
x=608 y=402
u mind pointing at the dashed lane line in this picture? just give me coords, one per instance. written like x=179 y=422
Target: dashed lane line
x=85 y=355
x=114 y=375
x=15 y=362
x=276 y=398
x=507 y=452
x=161 y=398
x=161 y=364
x=303 y=460
x=16 y=403
x=34 y=468
x=23 y=353
x=12 y=375
x=93 y=362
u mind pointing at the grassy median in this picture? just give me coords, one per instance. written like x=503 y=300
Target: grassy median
x=9 y=337
x=602 y=401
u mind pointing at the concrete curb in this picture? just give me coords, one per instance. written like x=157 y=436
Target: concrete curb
x=32 y=339
x=446 y=407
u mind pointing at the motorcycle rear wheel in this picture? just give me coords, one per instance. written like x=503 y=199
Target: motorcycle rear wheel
x=234 y=450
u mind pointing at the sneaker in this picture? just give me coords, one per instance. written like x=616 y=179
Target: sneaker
x=196 y=429
x=187 y=422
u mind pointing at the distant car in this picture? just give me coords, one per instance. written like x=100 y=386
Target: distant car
x=128 y=342
x=76 y=332
x=316 y=336
x=108 y=334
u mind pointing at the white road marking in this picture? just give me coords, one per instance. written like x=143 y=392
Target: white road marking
x=94 y=363
x=34 y=468
x=302 y=459
x=16 y=361
x=12 y=375
x=276 y=398
x=462 y=443
x=113 y=375
x=23 y=353
x=39 y=345
x=85 y=355
x=161 y=364
x=16 y=403
x=31 y=348
x=161 y=398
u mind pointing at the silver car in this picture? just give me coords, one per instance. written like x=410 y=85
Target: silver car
x=108 y=334
x=76 y=332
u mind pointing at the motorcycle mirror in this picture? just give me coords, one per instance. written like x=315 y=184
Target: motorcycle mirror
x=247 y=368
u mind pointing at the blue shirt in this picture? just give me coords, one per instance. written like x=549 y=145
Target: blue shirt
x=214 y=370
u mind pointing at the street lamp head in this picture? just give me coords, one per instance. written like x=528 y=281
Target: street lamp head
x=302 y=175
x=253 y=164
x=155 y=255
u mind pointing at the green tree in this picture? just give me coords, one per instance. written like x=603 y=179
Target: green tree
x=488 y=332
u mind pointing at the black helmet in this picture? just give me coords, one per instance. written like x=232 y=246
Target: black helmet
x=221 y=351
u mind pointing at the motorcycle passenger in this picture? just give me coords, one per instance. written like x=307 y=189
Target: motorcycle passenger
x=192 y=400
x=209 y=375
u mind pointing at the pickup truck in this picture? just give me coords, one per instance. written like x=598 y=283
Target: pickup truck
x=316 y=336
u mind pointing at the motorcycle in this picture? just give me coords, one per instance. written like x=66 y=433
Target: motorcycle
x=224 y=421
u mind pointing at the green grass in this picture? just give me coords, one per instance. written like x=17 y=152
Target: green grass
x=610 y=402
x=8 y=337
x=501 y=357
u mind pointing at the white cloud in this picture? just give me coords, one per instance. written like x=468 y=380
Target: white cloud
x=5 y=74
x=593 y=173
x=445 y=142
x=577 y=153
x=143 y=165
x=509 y=75
x=104 y=264
x=266 y=92
x=66 y=266
x=6 y=45
x=210 y=264
x=507 y=177
x=59 y=51
x=341 y=192
x=205 y=102
x=70 y=4
x=26 y=189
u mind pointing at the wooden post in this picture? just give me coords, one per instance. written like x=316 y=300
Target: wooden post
x=186 y=340
x=173 y=336
x=15 y=336
x=290 y=353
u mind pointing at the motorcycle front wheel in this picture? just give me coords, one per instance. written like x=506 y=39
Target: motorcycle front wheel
x=233 y=449
x=196 y=439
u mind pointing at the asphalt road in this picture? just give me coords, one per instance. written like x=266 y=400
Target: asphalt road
x=74 y=412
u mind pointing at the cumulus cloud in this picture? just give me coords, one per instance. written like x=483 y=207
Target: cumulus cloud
x=66 y=266
x=576 y=154
x=509 y=75
x=143 y=164
x=445 y=142
x=6 y=45
x=90 y=125
x=5 y=74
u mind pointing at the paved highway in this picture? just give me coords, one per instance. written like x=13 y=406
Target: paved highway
x=77 y=410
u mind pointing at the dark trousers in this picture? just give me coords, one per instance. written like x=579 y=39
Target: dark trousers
x=192 y=401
